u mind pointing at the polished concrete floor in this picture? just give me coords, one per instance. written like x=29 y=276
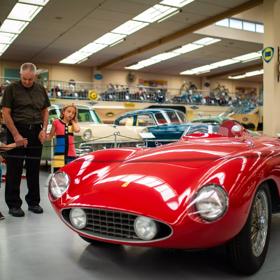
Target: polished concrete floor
x=42 y=247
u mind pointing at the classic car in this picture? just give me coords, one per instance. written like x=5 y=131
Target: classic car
x=164 y=124
x=93 y=133
x=203 y=191
x=248 y=115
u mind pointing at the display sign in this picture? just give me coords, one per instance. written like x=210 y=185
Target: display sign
x=267 y=54
x=93 y=95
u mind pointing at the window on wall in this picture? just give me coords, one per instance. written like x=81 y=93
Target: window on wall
x=11 y=74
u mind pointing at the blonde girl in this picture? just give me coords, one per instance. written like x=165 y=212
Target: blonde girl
x=63 y=129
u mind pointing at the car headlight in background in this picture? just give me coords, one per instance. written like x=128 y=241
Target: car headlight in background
x=145 y=228
x=87 y=135
x=78 y=218
x=58 y=184
x=211 y=202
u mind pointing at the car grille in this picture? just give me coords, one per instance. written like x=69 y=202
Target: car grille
x=114 y=225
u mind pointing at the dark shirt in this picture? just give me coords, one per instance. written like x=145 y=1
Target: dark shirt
x=26 y=104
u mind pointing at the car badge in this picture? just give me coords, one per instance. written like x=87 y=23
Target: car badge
x=125 y=184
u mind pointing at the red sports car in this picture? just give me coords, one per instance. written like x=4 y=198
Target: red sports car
x=200 y=192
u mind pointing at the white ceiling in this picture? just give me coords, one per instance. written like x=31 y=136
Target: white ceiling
x=64 y=26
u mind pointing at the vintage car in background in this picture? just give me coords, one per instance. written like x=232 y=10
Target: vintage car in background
x=94 y=134
x=248 y=116
x=164 y=124
x=203 y=191
x=151 y=116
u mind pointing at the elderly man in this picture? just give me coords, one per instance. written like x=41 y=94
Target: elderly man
x=25 y=113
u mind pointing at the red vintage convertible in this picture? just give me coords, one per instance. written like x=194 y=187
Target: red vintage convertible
x=203 y=191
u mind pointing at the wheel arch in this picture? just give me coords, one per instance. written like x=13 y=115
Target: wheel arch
x=274 y=194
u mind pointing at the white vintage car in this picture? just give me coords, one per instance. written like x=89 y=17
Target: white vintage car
x=94 y=134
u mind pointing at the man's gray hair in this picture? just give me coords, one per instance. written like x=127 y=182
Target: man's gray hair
x=29 y=67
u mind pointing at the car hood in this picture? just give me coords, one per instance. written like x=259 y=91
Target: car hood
x=159 y=181
x=111 y=133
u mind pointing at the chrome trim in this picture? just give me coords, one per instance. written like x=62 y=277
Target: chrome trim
x=87 y=234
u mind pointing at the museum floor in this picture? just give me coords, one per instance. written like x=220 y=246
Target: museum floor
x=42 y=247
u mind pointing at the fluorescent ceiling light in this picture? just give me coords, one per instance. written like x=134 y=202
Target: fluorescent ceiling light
x=92 y=48
x=222 y=63
x=187 y=48
x=3 y=47
x=176 y=3
x=21 y=14
x=118 y=42
x=35 y=2
x=167 y=55
x=163 y=10
x=187 y=72
x=130 y=27
x=164 y=56
x=7 y=38
x=109 y=38
x=247 y=74
x=155 y=13
x=169 y=15
x=24 y=12
x=134 y=67
x=254 y=73
x=13 y=26
x=207 y=41
x=248 y=57
x=237 y=77
x=74 y=58
x=203 y=69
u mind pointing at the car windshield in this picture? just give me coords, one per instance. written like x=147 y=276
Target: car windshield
x=87 y=115
x=174 y=118
x=160 y=118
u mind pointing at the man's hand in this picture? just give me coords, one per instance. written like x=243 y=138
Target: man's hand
x=42 y=136
x=20 y=141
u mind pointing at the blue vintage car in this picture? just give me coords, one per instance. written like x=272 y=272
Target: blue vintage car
x=164 y=125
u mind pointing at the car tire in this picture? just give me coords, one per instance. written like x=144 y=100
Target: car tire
x=247 y=250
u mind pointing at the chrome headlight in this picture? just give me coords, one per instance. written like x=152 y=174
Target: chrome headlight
x=87 y=135
x=58 y=184
x=211 y=202
x=78 y=218
x=145 y=228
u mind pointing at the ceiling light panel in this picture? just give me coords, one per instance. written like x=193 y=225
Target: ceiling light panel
x=176 y=3
x=207 y=41
x=74 y=58
x=164 y=56
x=248 y=56
x=35 y=2
x=161 y=11
x=3 y=47
x=187 y=48
x=130 y=27
x=7 y=38
x=24 y=12
x=155 y=13
x=13 y=26
x=109 y=38
x=92 y=48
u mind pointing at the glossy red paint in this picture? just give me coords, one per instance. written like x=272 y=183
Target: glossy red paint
x=161 y=183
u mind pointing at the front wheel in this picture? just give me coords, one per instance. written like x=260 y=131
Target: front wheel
x=247 y=250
